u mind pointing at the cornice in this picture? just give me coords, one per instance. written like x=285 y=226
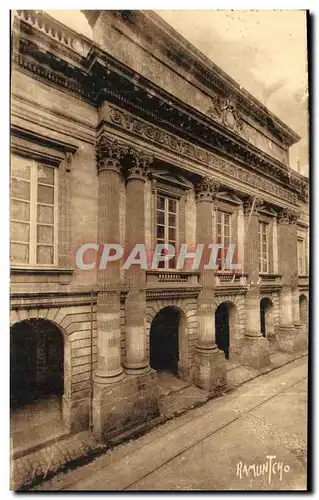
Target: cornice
x=124 y=121
x=196 y=63
x=102 y=77
x=39 y=147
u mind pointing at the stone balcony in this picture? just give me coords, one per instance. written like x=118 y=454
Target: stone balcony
x=172 y=283
x=228 y=282
x=228 y=278
x=270 y=282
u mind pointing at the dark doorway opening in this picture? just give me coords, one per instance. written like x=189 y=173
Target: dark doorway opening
x=222 y=328
x=36 y=362
x=164 y=340
x=262 y=319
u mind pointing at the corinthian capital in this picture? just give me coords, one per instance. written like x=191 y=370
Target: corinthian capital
x=252 y=205
x=140 y=165
x=206 y=189
x=287 y=216
x=109 y=153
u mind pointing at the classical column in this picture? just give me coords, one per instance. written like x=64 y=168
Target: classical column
x=109 y=368
x=255 y=351
x=287 y=249
x=209 y=361
x=135 y=277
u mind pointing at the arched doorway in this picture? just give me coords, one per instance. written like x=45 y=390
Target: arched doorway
x=37 y=362
x=222 y=328
x=303 y=308
x=164 y=341
x=266 y=317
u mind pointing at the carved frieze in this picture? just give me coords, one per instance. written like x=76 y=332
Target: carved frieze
x=147 y=131
x=224 y=111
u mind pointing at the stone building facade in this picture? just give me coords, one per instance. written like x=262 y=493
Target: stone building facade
x=137 y=138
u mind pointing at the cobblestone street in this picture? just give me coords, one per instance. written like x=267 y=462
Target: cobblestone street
x=212 y=447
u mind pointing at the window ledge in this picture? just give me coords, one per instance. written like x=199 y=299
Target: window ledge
x=39 y=270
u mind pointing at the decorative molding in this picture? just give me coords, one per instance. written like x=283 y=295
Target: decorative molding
x=225 y=112
x=179 y=292
x=129 y=123
x=39 y=147
x=148 y=100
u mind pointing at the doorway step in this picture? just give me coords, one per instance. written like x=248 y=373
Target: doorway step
x=178 y=396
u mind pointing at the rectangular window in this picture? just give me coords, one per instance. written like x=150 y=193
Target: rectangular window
x=33 y=213
x=301 y=257
x=263 y=247
x=166 y=226
x=223 y=232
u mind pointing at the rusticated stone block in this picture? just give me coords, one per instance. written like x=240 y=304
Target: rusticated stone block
x=209 y=369
x=255 y=352
x=122 y=405
x=289 y=339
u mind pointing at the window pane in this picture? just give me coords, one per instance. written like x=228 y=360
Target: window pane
x=45 y=214
x=45 y=234
x=44 y=255
x=160 y=202
x=20 y=210
x=20 y=167
x=172 y=220
x=172 y=233
x=19 y=253
x=45 y=194
x=20 y=189
x=226 y=219
x=227 y=232
x=46 y=174
x=160 y=217
x=219 y=217
x=172 y=206
x=160 y=231
x=20 y=231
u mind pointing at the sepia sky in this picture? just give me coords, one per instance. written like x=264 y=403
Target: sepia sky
x=264 y=51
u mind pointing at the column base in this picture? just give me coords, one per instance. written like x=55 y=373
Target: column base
x=209 y=369
x=287 y=338
x=124 y=404
x=255 y=352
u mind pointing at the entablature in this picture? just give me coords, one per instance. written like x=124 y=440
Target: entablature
x=94 y=75
x=191 y=159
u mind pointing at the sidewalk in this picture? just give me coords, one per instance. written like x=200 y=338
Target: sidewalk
x=177 y=398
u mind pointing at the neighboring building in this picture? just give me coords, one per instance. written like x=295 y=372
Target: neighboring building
x=138 y=138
